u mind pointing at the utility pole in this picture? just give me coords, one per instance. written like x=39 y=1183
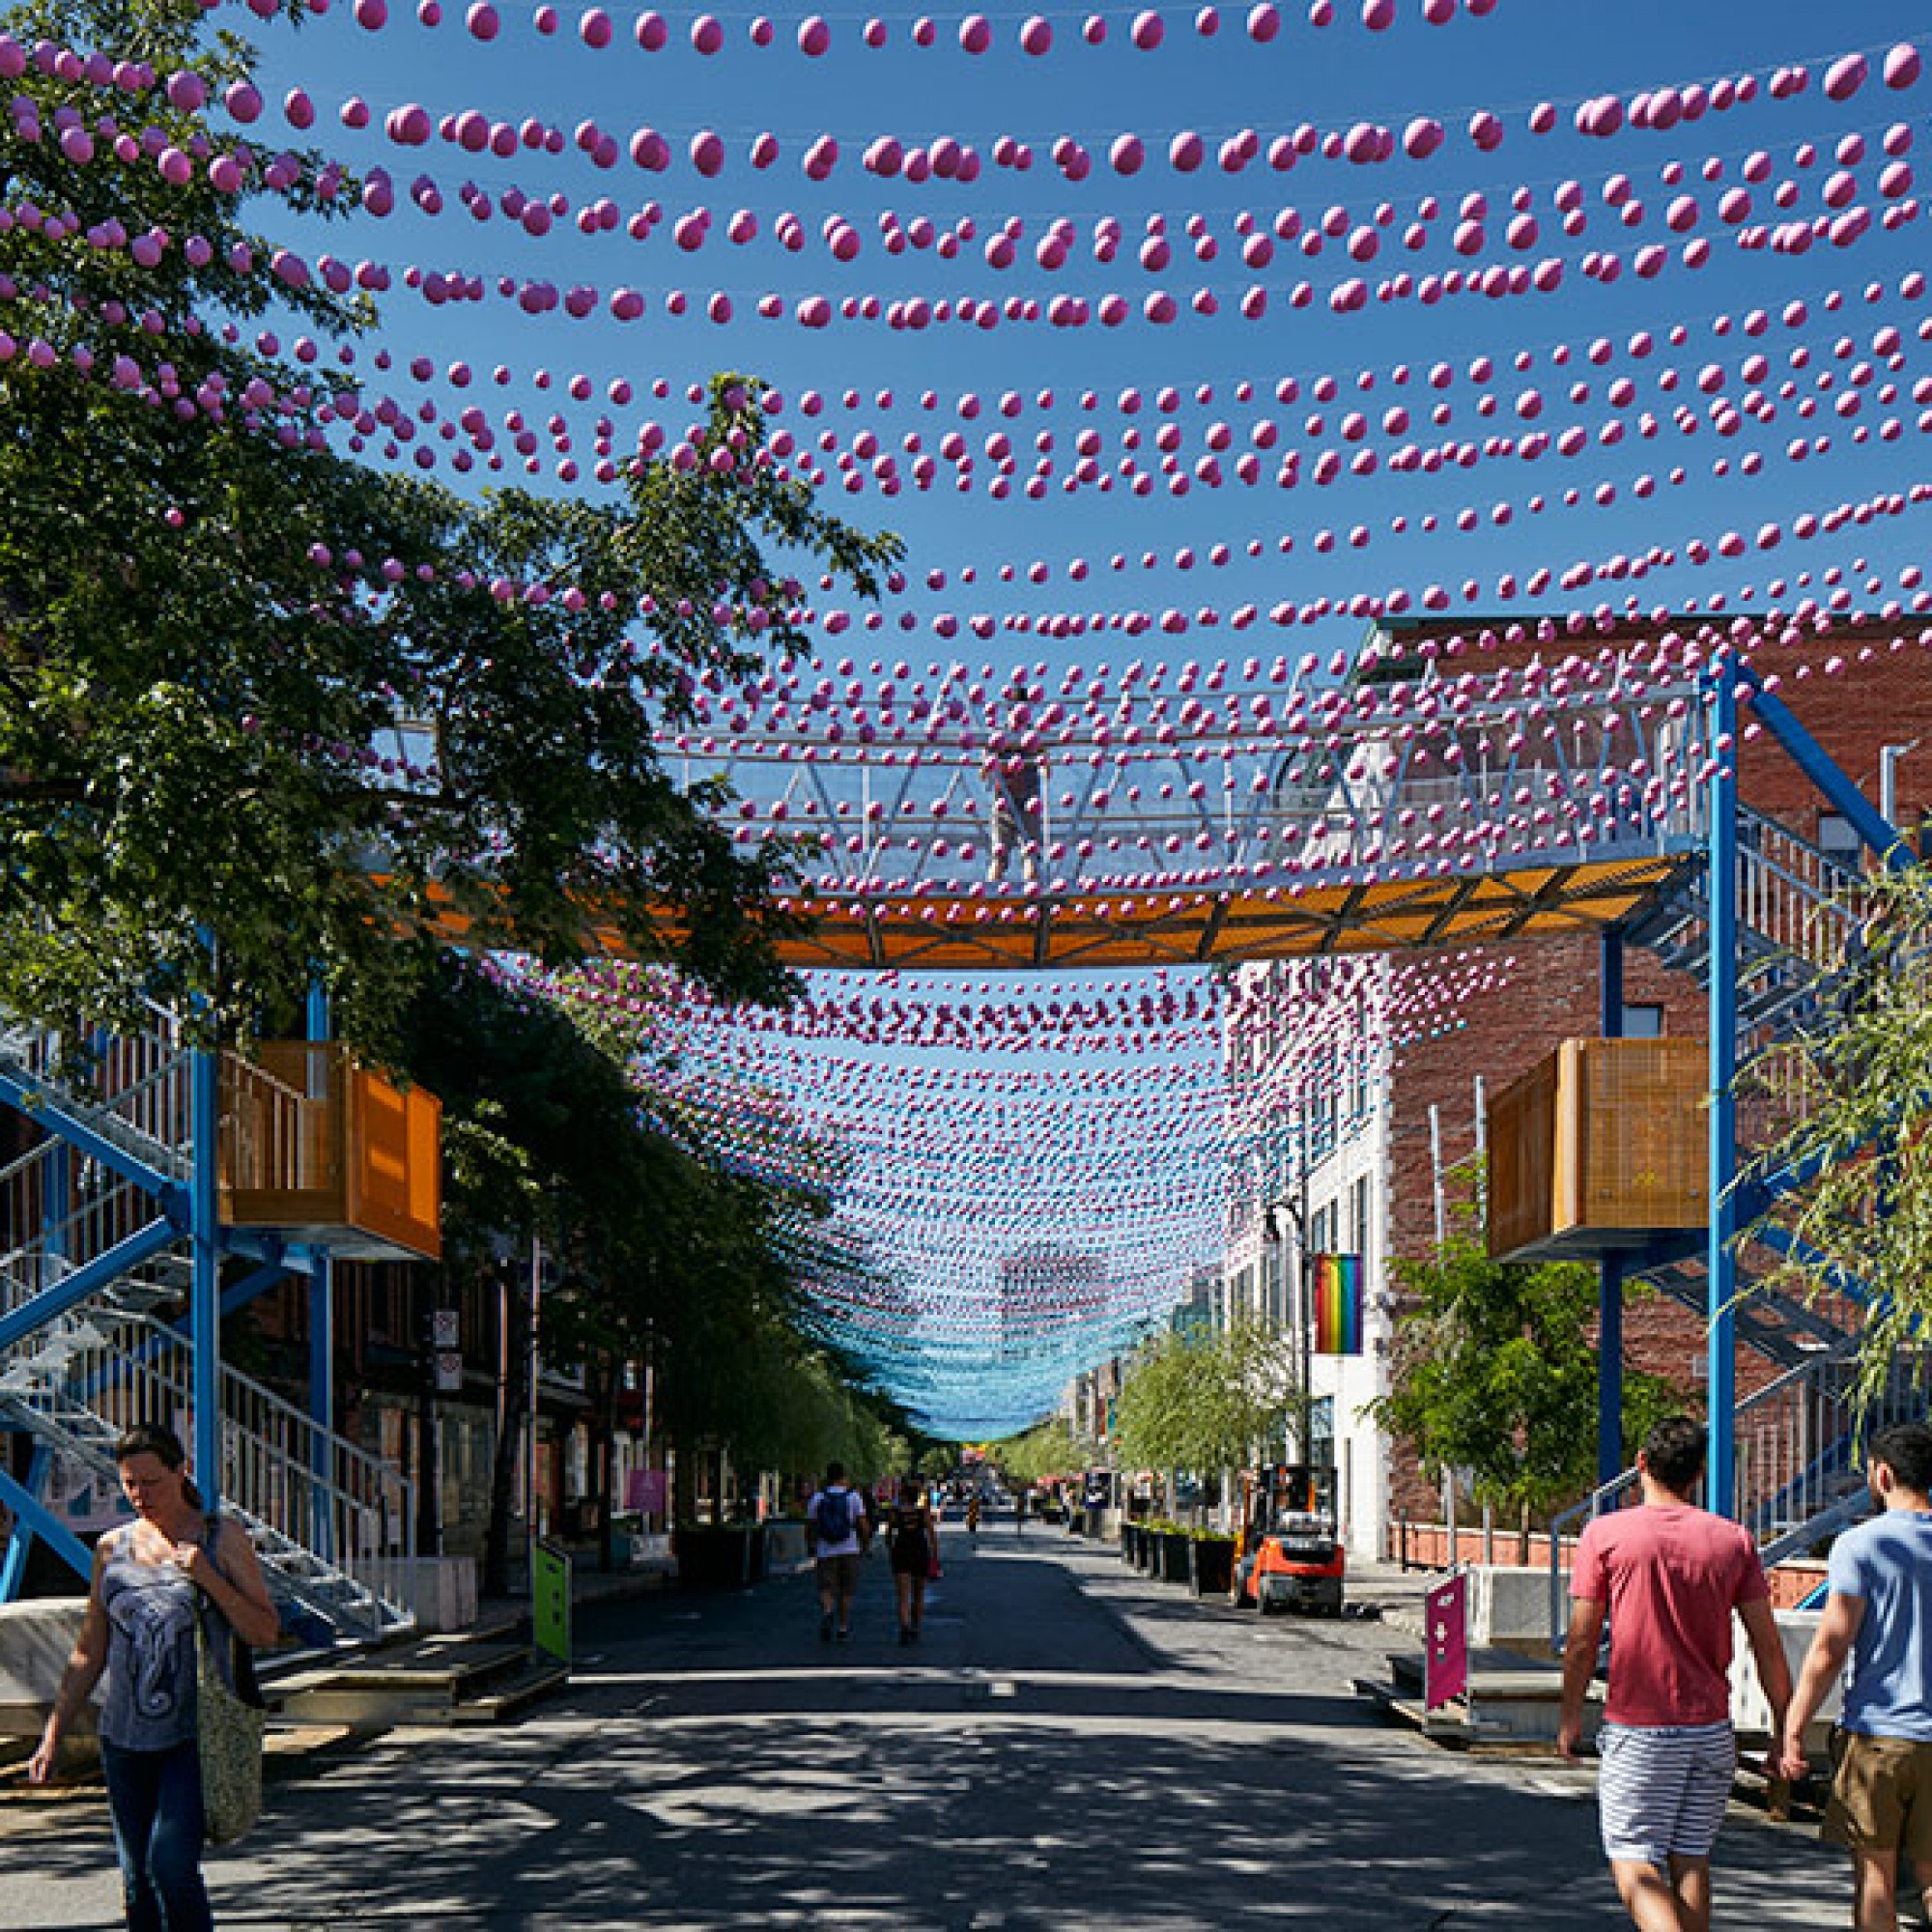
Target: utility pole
x=428 y=1535
x=1295 y=1207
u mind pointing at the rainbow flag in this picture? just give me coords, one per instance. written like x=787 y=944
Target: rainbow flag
x=1338 y=1304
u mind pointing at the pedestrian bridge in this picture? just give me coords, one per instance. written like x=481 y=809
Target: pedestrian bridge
x=956 y=827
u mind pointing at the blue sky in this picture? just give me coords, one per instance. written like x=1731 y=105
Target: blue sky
x=1560 y=51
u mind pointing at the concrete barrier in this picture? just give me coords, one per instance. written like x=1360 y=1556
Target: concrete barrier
x=1510 y=1606
x=786 y=1548
x=1750 y=1711
x=36 y=1638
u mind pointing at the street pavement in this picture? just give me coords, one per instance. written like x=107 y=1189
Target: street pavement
x=1071 y=1745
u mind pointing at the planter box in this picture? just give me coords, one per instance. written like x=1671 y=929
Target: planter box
x=440 y=1590
x=1213 y=1568
x=1176 y=1559
x=786 y=1549
x=1600 y=1147
x=713 y=1559
x=36 y=1639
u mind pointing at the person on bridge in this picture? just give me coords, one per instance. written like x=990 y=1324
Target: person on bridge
x=1670 y=1574
x=913 y=1538
x=151 y=1578
x=839 y=1532
x=1879 y=1616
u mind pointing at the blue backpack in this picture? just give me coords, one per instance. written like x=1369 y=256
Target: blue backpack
x=832 y=1515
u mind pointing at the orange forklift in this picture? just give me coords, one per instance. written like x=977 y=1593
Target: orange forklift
x=1290 y=1554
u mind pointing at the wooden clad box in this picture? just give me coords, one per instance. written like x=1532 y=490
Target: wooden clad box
x=323 y=1149
x=1602 y=1146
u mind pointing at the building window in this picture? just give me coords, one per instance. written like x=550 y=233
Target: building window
x=1837 y=837
x=1643 y=1022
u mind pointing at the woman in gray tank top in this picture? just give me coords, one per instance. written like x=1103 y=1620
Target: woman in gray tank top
x=150 y=1576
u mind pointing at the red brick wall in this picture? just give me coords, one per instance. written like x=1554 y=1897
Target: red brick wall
x=1428 y=1546
x=1884 y=697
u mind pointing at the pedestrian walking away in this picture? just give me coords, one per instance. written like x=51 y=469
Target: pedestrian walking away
x=1878 y=1616
x=839 y=1532
x=1668 y=1576
x=1019 y=1512
x=973 y=1515
x=149 y=1579
x=913 y=1539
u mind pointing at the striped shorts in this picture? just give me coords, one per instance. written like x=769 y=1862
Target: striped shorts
x=1661 y=1794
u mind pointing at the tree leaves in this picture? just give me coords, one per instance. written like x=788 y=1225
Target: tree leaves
x=1853 y=1095
x=1208 y=1401
x=1495 y=1374
x=214 y=628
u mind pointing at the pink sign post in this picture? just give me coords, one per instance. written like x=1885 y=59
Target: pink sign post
x=1446 y=1641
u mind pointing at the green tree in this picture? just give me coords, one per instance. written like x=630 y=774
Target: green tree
x=1853 y=1090
x=1206 y=1402
x=216 y=628
x=1495 y=1374
x=1045 y=1450
x=663 y=1253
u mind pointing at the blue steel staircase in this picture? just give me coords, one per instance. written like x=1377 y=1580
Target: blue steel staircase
x=1797 y=1481
x=1799 y=908
x=94 y=1259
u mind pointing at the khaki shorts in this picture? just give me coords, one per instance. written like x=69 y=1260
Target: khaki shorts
x=839 y=1573
x=1880 y=1795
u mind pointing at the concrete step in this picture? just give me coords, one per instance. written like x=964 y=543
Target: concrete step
x=1513 y=1702
x=538 y=1679
x=443 y=1680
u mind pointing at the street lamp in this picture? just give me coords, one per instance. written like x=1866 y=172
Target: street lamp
x=1296 y=1210
x=1889 y=757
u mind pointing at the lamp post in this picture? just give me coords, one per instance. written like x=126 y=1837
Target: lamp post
x=1295 y=1207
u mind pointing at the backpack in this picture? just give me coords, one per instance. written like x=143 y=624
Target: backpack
x=832 y=1515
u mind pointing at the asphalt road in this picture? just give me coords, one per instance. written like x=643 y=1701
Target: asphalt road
x=1071 y=1745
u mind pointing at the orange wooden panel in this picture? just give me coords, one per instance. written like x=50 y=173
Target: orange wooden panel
x=1520 y=1135
x=1598 y=1147
x=325 y=1151
x=955 y=930
x=1644 y=1133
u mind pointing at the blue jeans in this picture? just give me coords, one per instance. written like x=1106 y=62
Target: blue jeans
x=155 y=1799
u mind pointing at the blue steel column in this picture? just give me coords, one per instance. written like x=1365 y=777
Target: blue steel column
x=204 y=1288
x=1721 y=1488
x=1610 y=1267
x=322 y=1340
x=13 y=1566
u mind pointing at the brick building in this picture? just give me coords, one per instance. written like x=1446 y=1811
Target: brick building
x=1357 y=1083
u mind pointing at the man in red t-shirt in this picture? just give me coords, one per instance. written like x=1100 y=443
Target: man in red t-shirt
x=1668 y=1576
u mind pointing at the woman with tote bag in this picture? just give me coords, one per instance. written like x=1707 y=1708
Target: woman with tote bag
x=175 y=1595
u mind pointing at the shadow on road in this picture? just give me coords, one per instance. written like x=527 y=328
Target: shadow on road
x=714 y=1768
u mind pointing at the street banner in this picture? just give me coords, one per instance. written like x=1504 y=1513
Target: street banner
x=1445 y=1654
x=1338 y=1304
x=549 y=1593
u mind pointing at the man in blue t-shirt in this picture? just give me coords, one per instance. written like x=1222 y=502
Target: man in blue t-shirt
x=1879 y=1614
